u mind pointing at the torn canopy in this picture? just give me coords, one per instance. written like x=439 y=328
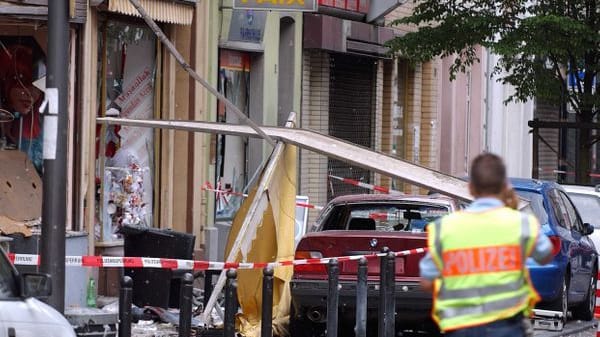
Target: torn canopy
x=272 y=240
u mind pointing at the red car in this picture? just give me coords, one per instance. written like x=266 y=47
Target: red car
x=361 y=225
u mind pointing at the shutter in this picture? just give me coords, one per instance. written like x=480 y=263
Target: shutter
x=351 y=115
x=159 y=10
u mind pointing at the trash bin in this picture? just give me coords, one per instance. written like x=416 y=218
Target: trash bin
x=149 y=285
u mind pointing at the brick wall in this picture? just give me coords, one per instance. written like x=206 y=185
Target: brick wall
x=315 y=116
x=429 y=114
x=402 y=11
x=389 y=95
x=379 y=102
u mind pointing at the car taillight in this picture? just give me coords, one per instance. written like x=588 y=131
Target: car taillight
x=311 y=266
x=556 y=243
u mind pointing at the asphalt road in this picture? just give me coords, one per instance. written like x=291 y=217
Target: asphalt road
x=572 y=329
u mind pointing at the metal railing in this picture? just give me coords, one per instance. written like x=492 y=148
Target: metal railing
x=386 y=317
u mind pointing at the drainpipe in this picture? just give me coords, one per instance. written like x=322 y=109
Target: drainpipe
x=468 y=122
x=488 y=106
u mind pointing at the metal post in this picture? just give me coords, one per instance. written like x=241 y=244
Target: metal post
x=536 y=158
x=125 y=298
x=208 y=286
x=266 y=322
x=382 y=294
x=390 y=303
x=360 y=329
x=185 y=305
x=55 y=154
x=333 y=295
x=230 y=303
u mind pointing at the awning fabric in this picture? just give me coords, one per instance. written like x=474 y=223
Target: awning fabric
x=159 y=10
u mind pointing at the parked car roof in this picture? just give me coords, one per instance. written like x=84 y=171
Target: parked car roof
x=352 y=198
x=531 y=184
x=591 y=190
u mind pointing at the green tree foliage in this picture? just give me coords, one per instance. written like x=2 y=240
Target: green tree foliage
x=539 y=43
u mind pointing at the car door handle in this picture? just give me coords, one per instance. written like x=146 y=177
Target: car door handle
x=12 y=332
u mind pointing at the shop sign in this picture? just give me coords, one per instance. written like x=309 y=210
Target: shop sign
x=277 y=5
x=247 y=26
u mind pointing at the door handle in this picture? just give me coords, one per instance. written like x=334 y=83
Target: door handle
x=12 y=332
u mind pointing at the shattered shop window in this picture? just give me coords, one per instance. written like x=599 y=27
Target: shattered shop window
x=127 y=67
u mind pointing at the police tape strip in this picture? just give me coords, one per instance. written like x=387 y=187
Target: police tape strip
x=152 y=262
x=371 y=187
x=597 y=308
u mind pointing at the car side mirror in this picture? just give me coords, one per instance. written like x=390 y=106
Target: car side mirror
x=36 y=285
x=587 y=229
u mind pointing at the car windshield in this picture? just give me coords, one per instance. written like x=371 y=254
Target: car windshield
x=588 y=207
x=536 y=205
x=411 y=217
x=8 y=284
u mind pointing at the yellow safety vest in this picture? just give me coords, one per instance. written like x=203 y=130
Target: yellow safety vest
x=481 y=257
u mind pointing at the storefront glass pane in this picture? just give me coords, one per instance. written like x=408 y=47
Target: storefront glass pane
x=127 y=66
x=231 y=166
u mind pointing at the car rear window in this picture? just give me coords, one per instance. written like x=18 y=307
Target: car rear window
x=536 y=205
x=588 y=207
x=383 y=217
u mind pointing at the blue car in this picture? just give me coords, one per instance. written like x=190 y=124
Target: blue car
x=568 y=283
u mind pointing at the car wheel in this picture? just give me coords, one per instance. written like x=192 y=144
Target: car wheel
x=562 y=302
x=585 y=310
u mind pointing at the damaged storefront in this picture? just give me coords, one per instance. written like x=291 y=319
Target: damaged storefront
x=23 y=60
x=136 y=78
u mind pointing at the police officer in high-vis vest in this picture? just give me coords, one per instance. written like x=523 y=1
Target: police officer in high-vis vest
x=476 y=260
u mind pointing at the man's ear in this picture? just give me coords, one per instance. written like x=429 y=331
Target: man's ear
x=472 y=190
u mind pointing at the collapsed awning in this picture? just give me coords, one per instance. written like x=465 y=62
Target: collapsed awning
x=176 y=12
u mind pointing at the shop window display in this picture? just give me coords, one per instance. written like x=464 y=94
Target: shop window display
x=22 y=79
x=127 y=65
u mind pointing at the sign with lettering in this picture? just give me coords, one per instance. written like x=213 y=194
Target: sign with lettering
x=277 y=5
x=247 y=26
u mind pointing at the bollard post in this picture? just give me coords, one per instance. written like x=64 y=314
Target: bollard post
x=381 y=322
x=390 y=300
x=230 y=304
x=360 y=329
x=208 y=286
x=185 y=305
x=266 y=322
x=125 y=299
x=333 y=298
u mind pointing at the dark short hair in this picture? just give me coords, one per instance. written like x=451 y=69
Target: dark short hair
x=488 y=174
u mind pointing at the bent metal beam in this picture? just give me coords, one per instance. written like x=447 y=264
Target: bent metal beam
x=326 y=145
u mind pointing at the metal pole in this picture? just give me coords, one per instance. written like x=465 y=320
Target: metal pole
x=382 y=294
x=55 y=155
x=266 y=321
x=230 y=303
x=185 y=305
x=208 y=286
x=125 y=298
x=390 y=303
x=333 y=296
x=360 y=329
x=536 y=148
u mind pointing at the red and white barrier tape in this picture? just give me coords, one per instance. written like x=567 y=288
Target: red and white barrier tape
x=208 y=187
x=152 y=262
x=371 y=187
x=597 y=309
